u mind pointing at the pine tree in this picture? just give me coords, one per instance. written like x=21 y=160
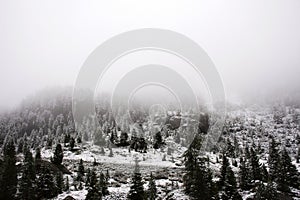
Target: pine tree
x=110 y=153
x=255 y=166
x=93 y=179
x=80 y=173
x=136 y=191
x=190 y=162
x=152 y=190
x=93 y=192
x=72 y=143
x=198 y=178
x=245 y=181
x=28 y=179
x=20 y=145
x=58 y=155
x=266 y=192
x=9 y=171
x=59 y=180
x=230 y=150
x=264 y=173
x=80 y=187
x=288 y=174
x=38 y=154
x=230 y=186
x=202 y=187
x=67 y=185
x=88 y=178
x=107 y=176
x=46 y=185
x=103 y=184
x=298 y=155
x=158 y=140
x=225 y=165
x=274 y=160
x=102 y=152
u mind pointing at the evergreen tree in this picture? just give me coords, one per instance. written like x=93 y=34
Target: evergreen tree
x=225 y=165
x=255 y=166
x=38 y=159
x=27 y=183
x=158 y=140
x=111 y=154
x=198 y=178
x=202 y=187
x=58 y=155
x=298 y=155
x=230 y=186
x=190 y=162
x=67 y=185
x=288 y=174
x=107 y=176
x=80 y=172
x=93 y=192
x=46 y=185
x=264 y=173
x=88 y=178
x=9 y=171
x=123 y=138
x=103 y=184
x=266 y=192
x=72 y=143
x=93 y=179
x=59 y=180
x=102 y=152
x=152 y=190
x=38 y=154
x=245 y=179
x=274 y=160
x=230 y=150
x=20 y=145
x=136 y=191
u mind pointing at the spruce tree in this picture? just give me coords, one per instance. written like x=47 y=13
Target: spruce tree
x=268 y=192
x=230 y=149
x=298 y=155
x=46 y=185
x=245 y=181
x=202 y=184
x=80 y=173
x=28 y=179
x=230 y=186
x=72 y=143
x=20 y=145
x=152 y=190
x=136 y=191
x=103 y=184
x=111 y=154
x=58 y=155
x=93 y=191
x=88 y=178
x=255 y=165
x=190 y=162
x=9 y=171
x=198 y=178
x=59 y=180
x=67 y=185
x=225 y=165
x=288 y=174
x=273 y=160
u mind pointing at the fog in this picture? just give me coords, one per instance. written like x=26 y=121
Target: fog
x=254 y=44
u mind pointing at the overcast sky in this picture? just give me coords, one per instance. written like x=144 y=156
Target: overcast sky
x=255 y=44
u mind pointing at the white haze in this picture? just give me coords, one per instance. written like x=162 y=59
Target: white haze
x=254 y=44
